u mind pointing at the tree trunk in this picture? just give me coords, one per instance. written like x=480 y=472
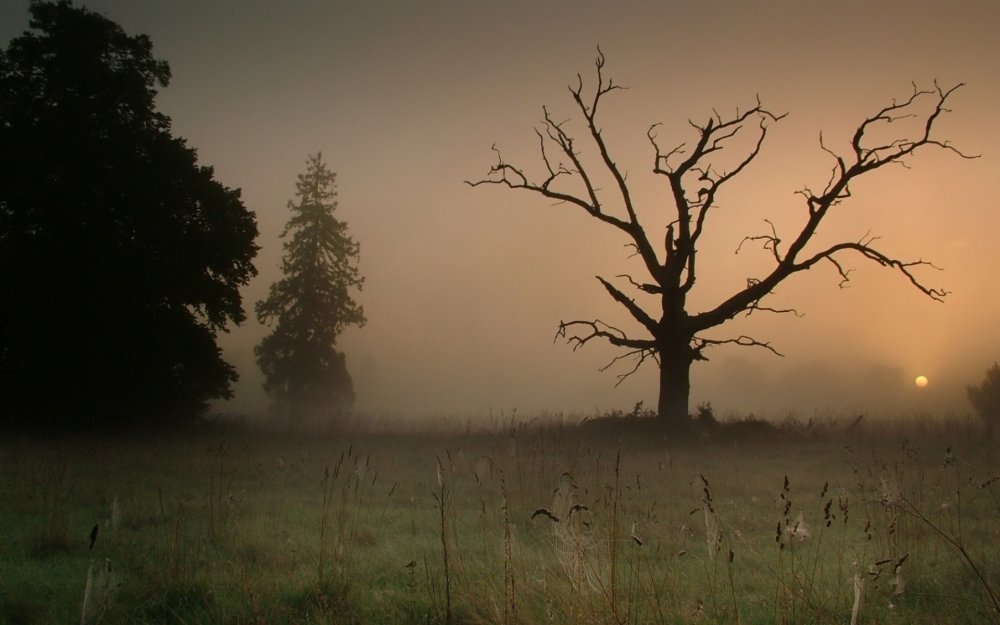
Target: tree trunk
x=675 y=382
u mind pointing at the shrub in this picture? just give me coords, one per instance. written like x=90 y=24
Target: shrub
x=985 y=398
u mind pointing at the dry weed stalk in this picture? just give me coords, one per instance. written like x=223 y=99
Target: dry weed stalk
x=572 y=529
x=329 y=485
x=324 y=519
x=716 y=538
x=784 y=593
x=613 y=539
x=176 y=543
x=443 y=498
x=510 y=602
x=955 y=539
x=86 y=594
x=99 y=593
x=859 y=591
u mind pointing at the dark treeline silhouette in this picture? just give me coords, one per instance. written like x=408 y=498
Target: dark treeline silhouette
x=694 y=174
x=310 y=306
x=121 y=257
x=985 y=398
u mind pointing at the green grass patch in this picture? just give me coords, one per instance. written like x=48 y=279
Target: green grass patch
x=539 y=526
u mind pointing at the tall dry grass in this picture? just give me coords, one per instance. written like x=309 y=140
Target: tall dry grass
x=524 y=524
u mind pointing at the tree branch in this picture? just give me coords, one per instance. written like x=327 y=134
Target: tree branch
x=868 y=158
x=864 y=248
x=511 y=176
x=865 y=158
x=693 y=204
x=653 y=289
x=554 y=132
x=641 y=349
x=698 y=344
x=770 y=242
x=640 y=356
x=637 y=312
x=642 y=245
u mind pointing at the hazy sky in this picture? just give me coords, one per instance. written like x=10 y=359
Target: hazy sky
x=465 y=287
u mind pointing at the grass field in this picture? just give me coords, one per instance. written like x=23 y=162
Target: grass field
x=520 y=524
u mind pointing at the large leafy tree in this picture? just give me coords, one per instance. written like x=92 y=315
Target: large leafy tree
x=694 y=174
x=121 y=257
x=311 y=305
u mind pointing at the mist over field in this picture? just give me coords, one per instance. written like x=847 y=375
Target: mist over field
x=473 y=251
x=465 y=286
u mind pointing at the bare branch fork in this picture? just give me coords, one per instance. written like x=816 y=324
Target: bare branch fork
x=639 y=349
x=865 y=159
x=742 y=340
x=694 y=180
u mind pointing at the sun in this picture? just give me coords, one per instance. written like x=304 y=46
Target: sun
x=921 y=381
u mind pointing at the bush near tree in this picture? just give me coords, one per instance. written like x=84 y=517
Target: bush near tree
x=985 y=397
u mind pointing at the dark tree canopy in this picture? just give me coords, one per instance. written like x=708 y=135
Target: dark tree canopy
x=121 y=257
x=693 y=176
x=311 y=305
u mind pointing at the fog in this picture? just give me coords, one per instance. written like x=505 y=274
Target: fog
x=466 y=286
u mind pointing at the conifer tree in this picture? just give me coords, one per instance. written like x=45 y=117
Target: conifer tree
x=311 y=305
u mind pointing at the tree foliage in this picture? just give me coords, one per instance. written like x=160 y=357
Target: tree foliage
x=312 y=304
x=985 y=397
x=694 y=173
x=121 y=257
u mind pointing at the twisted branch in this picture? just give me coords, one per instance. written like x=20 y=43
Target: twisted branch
x=639 y=349
x=698 y=344
x=864 y=158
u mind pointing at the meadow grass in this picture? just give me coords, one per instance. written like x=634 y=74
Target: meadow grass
x=521 y=523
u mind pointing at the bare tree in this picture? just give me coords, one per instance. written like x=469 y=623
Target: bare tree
x=674 y=337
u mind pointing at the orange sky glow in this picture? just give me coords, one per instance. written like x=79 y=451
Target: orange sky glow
x=465 y=286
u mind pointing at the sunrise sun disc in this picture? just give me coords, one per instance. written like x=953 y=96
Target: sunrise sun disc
x=921 y=381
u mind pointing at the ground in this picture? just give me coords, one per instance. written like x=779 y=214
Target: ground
x=523 y=523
